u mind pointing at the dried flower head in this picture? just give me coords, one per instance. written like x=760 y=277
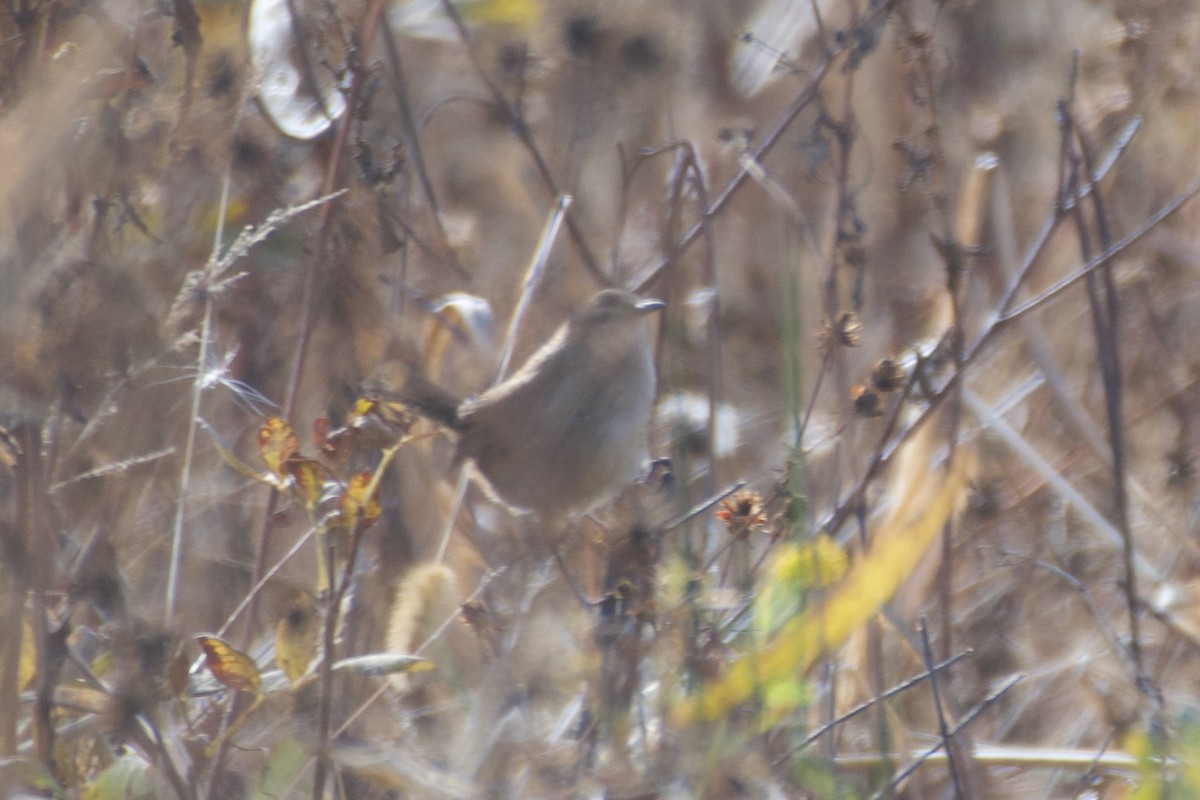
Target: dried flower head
x=477 y=616
x=867 y=401
x=985 y=498
x=742 y=511
x=845 y=331
x=887 y=376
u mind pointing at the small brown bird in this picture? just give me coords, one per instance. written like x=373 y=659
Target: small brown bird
x=569 y=429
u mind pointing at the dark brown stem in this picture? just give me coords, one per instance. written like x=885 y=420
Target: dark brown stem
x=307 y=299
x=943 y=729
x=1105 y=312
x=328 y=639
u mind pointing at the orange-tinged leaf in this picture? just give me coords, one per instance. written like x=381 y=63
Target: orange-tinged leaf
x=277 y=443
x=231 y=667
x=869 y=584
x=356 y=502
x=296 y=636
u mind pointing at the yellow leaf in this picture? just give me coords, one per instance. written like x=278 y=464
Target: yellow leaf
x=308 y=475
x=27 y=658
x=869 y=584
x=356 y=502
x=296 y=636
x=795 y=570
x=276 y=444
x=521 y=14
x=814 y=564
x=231 y=667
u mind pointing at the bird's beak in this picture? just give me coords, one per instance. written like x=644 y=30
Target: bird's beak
x=646 y=306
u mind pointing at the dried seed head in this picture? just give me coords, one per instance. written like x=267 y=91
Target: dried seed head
x=867 y=401
x=844 y=331
x=985 y=498
x=887 y=376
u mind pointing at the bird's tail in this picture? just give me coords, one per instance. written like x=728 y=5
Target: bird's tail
x=405 y=384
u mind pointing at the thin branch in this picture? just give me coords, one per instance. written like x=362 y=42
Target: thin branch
x=112 y=469
x=697 y=510
x=715 y=382
x=984 y=705
x=990 y=332
x=1034 y=252
x=1116 y=249
x=803 y=99
x=866 y=705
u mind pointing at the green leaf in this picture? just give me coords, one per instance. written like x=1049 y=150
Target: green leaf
x=128 y=778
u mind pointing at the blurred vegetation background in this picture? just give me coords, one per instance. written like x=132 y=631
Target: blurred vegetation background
x=876 y=466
